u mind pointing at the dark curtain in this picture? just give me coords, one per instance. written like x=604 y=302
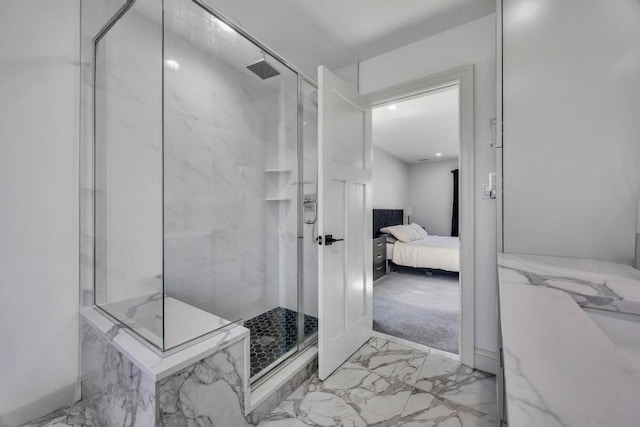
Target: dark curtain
x=454 y=217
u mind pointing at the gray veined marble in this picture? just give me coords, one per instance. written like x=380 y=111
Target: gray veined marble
x=207 y=393
x=591 y=283
x=390 y=360
x=119 y=392
x=80 y=414
x=423 y=410
x=267 y=407
x=375 y=388
x=448 y=379
x=560 y=368
x=351 y=396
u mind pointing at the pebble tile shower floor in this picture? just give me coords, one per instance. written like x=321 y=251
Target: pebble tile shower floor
x=275 y=333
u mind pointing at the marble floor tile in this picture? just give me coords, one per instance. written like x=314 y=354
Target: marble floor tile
x=375 y=388
x=80 y=414
x=390 y=360
x=424 y=409
x=445 y=378
x=351 y=396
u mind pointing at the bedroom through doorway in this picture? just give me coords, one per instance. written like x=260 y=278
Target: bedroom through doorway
x=416 y=248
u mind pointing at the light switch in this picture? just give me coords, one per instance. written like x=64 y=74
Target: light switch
x=486 y=191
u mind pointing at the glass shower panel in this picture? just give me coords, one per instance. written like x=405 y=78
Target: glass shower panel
x=309 y=96
x=128 y=171
x=230 y=180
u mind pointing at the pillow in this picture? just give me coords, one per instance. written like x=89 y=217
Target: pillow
x=423 y=233
x=390 y=238
x=404 y=233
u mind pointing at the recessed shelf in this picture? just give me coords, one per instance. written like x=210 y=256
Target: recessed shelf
x=278 y=199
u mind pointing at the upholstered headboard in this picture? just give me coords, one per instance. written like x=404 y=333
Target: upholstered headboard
x=385 y=217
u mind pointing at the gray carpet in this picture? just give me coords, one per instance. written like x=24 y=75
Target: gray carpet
x=418 y=308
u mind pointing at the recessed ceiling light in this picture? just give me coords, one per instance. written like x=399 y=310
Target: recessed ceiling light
x=172 y=64
x=439 y=154
x=392 y=107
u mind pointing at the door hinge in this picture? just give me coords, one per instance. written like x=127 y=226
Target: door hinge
x=501 y=355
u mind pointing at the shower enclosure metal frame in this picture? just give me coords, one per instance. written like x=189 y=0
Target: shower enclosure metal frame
x=301 y=80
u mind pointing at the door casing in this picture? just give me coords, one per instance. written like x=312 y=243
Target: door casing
x=464 y=77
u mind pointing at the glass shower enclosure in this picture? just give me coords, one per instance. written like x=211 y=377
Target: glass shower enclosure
x=204 y=169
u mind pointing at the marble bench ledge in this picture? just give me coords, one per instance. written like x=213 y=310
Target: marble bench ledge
x=560 y=369
x=158 y=367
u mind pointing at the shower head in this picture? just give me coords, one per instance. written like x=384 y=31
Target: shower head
x=263 y=69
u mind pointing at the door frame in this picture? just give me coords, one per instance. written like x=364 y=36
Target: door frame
x=466 y=223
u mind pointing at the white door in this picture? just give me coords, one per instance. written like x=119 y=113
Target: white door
x=344 y=196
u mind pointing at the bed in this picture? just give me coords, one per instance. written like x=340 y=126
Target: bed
x=428 y=253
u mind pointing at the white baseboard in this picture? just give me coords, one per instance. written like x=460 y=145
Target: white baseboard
x=486 y=361
x=41 y=407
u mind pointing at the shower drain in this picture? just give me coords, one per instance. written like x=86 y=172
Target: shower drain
x=265 y=340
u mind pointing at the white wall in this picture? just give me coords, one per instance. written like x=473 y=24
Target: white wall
x=571 y=147
x=431 y=195
x=390 y=181
x=39 y=209
x=472 y=43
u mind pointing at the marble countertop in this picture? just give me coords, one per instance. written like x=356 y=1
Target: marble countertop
x=560 y=368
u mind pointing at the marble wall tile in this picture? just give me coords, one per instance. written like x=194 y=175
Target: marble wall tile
x=112 y=385
x=209 y=392
x=227 y=250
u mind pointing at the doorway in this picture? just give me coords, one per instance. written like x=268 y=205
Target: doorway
x=425 y=128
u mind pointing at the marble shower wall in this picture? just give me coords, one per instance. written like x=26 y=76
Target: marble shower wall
x=119 y=392
x=227 y=250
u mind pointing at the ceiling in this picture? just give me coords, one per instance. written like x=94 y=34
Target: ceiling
x=420 y=127
x=337 y=33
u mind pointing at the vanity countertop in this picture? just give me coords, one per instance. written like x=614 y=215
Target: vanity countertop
x=560 y=368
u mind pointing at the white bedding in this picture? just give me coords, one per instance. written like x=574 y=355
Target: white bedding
x=438 y=252
x=390 y=251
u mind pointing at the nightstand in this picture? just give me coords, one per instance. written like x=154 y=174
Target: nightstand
x=379 y=257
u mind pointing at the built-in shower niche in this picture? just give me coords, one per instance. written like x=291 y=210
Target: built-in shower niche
x=198 y=176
